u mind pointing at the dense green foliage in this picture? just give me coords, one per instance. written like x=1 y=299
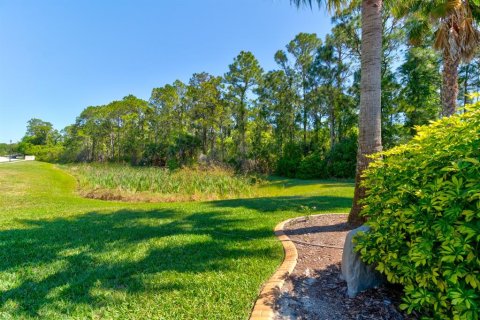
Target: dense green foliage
x=66 y=257
x=469 y=81
x=180 y=184
x=48 y=153
x=422 y=79
x=423 y=206
x=338 y=162
x=298 y=120
x=42 y=140
x=8 y=148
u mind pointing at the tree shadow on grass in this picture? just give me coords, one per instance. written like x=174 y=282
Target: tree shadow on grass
x=288 y=203
x=67 y=259
x=289 y=183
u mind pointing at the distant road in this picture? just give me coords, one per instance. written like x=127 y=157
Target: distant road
x=5 y=159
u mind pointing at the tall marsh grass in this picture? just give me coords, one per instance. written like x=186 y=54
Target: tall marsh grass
x=122 y=182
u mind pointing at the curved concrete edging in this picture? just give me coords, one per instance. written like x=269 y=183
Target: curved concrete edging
x=263 y=308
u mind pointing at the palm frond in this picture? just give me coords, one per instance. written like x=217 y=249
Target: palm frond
x=417 y=28
x=441 y=39
x=458 y=36
x=331 y=5
x=456 y=32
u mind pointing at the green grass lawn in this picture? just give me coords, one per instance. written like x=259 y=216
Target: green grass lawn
x=66 y=257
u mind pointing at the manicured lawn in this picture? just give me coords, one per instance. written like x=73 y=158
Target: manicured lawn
x=66 y=257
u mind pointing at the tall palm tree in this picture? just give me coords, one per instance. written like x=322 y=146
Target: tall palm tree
x=456 y=37
x=369 y=137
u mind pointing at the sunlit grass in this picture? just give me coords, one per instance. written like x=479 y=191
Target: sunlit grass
x=66 y=257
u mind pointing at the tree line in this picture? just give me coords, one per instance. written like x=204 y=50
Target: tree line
x=298 y=120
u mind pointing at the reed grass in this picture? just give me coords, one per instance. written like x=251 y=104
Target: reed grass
x=123 y=182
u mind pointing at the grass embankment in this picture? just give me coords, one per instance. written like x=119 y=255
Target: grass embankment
x=67 y=257
x=149 y=184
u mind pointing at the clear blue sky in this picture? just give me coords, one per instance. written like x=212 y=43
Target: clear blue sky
x=59 y=56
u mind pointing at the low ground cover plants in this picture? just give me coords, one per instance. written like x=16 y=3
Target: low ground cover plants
x=423 y=207
x=124 y=182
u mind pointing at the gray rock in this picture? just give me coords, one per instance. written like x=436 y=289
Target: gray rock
x=357 y=274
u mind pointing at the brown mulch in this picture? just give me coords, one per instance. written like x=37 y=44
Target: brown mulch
x=314 y=289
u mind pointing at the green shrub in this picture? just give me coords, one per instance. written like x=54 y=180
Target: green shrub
x=288 y=164
x=341 y=160
x=173 y=155
x=312 y=166
x=423 y=206
x=47 y=153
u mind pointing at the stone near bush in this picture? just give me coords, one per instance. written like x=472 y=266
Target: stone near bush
x=356 y=273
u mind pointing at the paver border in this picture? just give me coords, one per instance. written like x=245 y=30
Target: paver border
x=263 y=307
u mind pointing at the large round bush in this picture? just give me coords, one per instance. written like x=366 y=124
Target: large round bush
x=423 y=207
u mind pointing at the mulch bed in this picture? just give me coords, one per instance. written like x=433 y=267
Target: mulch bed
x=314 y=289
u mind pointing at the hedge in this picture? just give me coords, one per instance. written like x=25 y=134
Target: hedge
x=423 y=207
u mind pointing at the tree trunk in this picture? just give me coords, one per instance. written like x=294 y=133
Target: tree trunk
x=305 y=114
x=243 y=136
x=222 y=142
x=204 y=140
x=465 y=87
x=317 y=125
x=212 y=143
x=332 y=118
x=92 y=157
x=450 y=85
x=112 y=146
x=370 y=133
x=242 y=126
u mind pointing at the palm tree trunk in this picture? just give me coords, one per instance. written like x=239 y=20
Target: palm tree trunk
x=450 y=85
x=369 y=137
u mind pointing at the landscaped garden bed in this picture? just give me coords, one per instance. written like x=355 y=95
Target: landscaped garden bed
x=314 y=290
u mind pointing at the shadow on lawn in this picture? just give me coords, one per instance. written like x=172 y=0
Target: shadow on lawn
x=288 y=203
x=322 y=184
x=84 y=253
